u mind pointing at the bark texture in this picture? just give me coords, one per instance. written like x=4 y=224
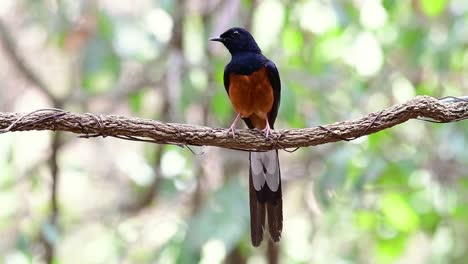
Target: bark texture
x=93 y=125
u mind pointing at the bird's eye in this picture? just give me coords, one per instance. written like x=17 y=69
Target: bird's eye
x=235 y=34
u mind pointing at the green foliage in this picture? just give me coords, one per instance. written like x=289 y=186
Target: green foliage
x=101 y=65
x=136 y=102
x=223 y=218
x=433 y=8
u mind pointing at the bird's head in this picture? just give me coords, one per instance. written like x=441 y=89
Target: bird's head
x=238 y=40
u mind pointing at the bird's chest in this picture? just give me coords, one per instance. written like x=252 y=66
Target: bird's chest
x=251 y=94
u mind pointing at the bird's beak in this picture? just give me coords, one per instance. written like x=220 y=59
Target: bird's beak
x=217 y=39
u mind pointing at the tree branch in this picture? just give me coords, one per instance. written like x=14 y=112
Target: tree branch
x=90 y=125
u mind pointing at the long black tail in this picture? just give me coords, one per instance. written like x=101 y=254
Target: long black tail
x=265 y=196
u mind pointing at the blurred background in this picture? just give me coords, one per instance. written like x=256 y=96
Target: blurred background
x=397 y=196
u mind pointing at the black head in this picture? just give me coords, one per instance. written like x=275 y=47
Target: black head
x=238 y=40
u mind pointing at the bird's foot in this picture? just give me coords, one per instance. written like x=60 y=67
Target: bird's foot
x=267 y=130
x=232 y=128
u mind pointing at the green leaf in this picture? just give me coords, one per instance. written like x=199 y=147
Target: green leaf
x=398 y=212
x=426 y=88
x=221 y=106
x=366 y=220
x=394 y=175
x=433 y=8
x=105 y=26
x=461 y=212
x=135 y=102
x=292 y=40
x=390 y=249
x=430 y=221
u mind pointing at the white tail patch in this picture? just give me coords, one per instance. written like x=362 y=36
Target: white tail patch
x=265 y=168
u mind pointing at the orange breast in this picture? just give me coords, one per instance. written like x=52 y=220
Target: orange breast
x=252 y=96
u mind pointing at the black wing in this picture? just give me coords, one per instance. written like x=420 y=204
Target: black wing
x=274 y=78
x=227 y=72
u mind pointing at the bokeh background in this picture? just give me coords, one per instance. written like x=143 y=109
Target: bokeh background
x=397 y=196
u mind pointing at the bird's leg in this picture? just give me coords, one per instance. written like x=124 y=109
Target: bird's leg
x=267 y=130
x=232 y=128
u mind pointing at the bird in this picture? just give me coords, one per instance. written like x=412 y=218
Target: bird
x=253 y=85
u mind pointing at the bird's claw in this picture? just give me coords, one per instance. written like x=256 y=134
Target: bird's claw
x=267 y=130
x=232 y=130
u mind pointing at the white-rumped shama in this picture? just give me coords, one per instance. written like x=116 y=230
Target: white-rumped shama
x=254 y=88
